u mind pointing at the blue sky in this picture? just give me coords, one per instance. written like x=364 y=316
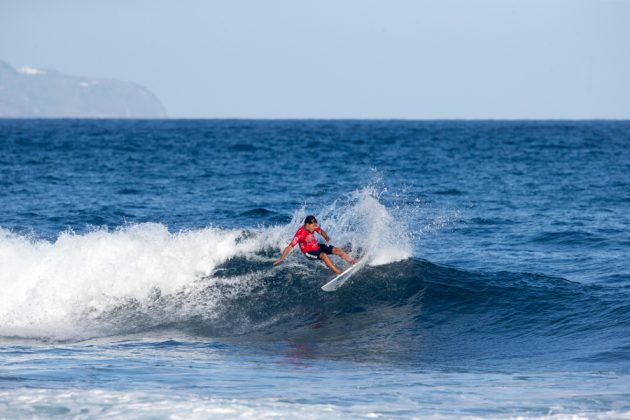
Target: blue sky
x=340 y=58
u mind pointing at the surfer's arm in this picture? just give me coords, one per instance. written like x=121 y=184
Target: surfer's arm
x=324 y=234
x=286 y=252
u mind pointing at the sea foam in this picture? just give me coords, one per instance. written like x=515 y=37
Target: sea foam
x=48 y=284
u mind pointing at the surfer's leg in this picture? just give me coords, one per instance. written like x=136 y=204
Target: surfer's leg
x=343 y=254
x=329 y=263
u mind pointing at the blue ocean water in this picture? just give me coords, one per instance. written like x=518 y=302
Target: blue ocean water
x=137 y=278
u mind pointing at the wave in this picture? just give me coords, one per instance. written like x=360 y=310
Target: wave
x=213 y=282
x=70 y=287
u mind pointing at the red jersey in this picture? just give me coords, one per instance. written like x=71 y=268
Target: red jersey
x=306 y=240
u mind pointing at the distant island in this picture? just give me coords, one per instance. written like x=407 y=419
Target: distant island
x=27 y=92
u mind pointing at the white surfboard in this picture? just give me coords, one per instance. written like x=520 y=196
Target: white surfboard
x=335 y=283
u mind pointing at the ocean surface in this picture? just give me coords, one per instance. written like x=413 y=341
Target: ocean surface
x=136 y=270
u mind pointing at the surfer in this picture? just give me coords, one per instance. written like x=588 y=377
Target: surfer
x=312 y=249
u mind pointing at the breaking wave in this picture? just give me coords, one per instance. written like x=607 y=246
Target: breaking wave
x=143 y=275
x=213 y=282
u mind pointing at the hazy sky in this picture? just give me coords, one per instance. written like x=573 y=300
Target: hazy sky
x=340 y=58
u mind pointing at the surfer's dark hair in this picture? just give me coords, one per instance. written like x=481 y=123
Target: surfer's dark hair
x=309 y=220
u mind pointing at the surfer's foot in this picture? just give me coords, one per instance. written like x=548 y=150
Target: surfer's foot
x=354 y=261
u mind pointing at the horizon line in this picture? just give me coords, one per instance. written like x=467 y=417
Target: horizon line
x=312 y=119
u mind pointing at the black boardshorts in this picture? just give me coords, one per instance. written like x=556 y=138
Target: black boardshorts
x=315 y=255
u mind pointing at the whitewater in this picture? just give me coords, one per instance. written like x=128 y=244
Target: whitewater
x=137 y=269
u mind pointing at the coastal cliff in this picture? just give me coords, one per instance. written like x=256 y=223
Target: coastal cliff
x=33 y=93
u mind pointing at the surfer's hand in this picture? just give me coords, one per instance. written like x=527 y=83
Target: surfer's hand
x=276 y=262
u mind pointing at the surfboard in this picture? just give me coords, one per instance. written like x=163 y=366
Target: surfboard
x=335 y=283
